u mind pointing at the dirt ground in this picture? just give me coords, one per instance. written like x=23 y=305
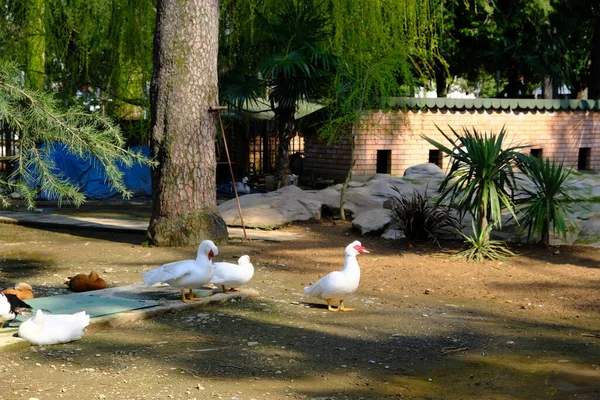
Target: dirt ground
x=425 y=326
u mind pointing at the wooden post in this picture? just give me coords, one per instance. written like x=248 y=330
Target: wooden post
x=218 y=109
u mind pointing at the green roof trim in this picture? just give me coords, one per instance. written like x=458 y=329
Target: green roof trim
x=493 y=104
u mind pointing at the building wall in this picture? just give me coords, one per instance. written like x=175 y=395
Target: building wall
x=558 y=133
x=325 y=161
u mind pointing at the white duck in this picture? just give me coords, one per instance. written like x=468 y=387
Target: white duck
x=53 y=329
x=243 y=187
x=10 y=306
x=186 y=274
x=338 y=285
x=233 y=275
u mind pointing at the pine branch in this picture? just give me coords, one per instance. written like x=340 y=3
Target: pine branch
x=38 y=119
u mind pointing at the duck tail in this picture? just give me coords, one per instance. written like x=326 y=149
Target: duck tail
x=308 y=289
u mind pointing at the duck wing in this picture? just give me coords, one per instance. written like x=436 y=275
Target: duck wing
x=16 y=304
x=169 y=272
x=223 y=272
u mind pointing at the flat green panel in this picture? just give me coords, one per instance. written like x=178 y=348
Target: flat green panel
x=94 y=305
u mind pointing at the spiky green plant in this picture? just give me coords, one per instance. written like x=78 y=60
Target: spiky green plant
x=38 y=119
x=481 y=179
x=481 y=247
x=420 y=219
x=545 y=201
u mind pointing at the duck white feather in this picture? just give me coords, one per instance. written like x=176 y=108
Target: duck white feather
x=243 y=187
x=186 y=274
x=6 y=312
x=233 y=275
x=46 y=329
x=337 y=285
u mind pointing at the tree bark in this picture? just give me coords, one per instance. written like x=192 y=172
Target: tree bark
x=285 y=123
x=184 y=87
x=440 y=80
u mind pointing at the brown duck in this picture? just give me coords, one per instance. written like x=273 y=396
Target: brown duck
x=22 y=290
x=85 y=283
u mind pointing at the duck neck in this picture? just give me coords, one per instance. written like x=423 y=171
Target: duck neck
x=351 y=264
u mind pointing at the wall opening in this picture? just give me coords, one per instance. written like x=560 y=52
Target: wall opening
x=435 y=157
x=537 y=153
x=584 y=158
x=384 y=161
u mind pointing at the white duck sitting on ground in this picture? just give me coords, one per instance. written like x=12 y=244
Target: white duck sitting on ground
x=233 y=275
x=10 y=307
x=243 y=187
x=45 y=329
x=338 y=285
x=186 y=274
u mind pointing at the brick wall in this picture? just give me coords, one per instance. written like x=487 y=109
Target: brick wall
x=325 y=161
x=559 y=134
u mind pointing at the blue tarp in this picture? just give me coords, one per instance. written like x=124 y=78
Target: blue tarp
x=89 y=174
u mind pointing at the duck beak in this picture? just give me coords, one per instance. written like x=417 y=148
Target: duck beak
x=360 y=249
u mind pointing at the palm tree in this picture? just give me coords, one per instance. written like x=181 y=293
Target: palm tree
x=293 y=68
x=481 y=179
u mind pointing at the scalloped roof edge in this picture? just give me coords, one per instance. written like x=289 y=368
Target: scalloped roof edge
x=493 y=104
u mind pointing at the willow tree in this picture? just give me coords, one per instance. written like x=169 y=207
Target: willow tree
x=103 y=45
x=383 y=45
x=35 y=44
x=184 y=89
x=288 y=62
x=389 y=47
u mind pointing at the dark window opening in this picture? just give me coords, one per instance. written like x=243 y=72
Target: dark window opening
x=435 y=157
x=584 y=158
x=384 y=161
x=537 y=153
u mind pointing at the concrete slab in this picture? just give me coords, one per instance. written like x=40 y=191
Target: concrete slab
x=121 y=305
x=123 y=225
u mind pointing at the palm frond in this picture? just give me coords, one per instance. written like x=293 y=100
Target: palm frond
x=480 y=247
x=544 y=204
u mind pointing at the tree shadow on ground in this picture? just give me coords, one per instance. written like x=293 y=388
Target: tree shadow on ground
x=456 y=355
x=15 y=269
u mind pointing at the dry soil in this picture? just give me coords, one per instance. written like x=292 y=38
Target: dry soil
x=425 y=326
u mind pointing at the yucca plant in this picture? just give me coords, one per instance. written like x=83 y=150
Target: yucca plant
x=480 y=246
x=481 y=179
x=421 y=219
x=545 y=201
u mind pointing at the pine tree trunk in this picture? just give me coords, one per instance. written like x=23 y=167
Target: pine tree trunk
x=35 y=37
x=184 y=87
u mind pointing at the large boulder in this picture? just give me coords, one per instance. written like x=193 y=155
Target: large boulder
x=428 y=170
x=367 y=205
x=372 y=221
x=272 y=210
